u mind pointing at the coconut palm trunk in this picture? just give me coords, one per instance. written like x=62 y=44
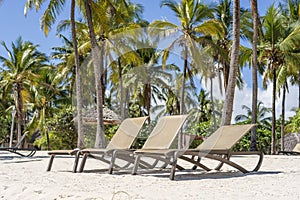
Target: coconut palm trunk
x=299 y=89
x=97 y=53
x=121 y=89
x=254 y=74
x=273 y=141
x=228 y=104
x=185 y=65
x=80 y=140
x=212 y=103
x=19 y=109
x=283 y=117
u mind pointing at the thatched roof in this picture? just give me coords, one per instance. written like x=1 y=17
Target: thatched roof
x=109 y=116
x=290 y=141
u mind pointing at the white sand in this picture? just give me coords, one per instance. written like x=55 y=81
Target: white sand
x=26 y=178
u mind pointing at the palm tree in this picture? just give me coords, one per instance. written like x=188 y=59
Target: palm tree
x=204 y=111
x=228 y=103
x=223 y=14
x=19 y=73
x=261 y=114
x=65 y=67
x=222 y=45
x=80 y=141
x=171 y=96
x=291 y=9
x=97 y=53
x=254 y=72
x=147 y=80
x=193 y=27
x=49 y=17
x=106 y=12
x=48 y=96
x=119 y=41
x=279 y=48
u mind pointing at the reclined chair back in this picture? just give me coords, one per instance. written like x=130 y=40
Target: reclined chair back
x=126 y=133
x=165 y=132
x=225 y=137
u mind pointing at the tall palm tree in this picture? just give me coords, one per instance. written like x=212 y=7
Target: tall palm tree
x=291 y=10
x=196 y=23
x=196 y=28
x=255 y=18
x=223 y=12
x=279 y=48
x=222 y=45
x=119 y=40
x=147 y=80
x=228 y=103
x=48 y=19
x=97 y=53
x=48 y=96
x=65 y=67
x=20 y=73
x=106 y=12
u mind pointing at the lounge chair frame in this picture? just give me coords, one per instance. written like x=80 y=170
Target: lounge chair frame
x=217 y=151
x=123 y=138
x=19 y=151
x=295 y=151
x=166 y=128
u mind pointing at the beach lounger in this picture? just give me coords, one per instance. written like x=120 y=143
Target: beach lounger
x=165 y=130
x=24 y=152
x=295 y=151
x=123 y=139
x=217 y=147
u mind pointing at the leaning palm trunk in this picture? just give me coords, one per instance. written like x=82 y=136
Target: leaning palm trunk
x=228 y=104
x=80 y=140
x=98 y=70
x=254 y=74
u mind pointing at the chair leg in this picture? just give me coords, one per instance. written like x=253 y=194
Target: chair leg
x=136 y=164
x=174 y=164
x=198 y=160
x=112 y=162
x=50 y=163
x=83 y=160
x=261 y=156
x=77 y=156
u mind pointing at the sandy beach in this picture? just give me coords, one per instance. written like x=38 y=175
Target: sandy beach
x=26 y=178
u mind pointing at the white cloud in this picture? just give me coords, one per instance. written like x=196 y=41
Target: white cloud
x=244 y=97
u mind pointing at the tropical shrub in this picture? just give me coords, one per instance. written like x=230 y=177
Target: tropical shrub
x=61 y=129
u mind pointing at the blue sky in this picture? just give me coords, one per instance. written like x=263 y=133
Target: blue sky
x=14 y=24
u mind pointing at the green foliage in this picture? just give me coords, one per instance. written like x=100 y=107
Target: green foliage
x=264 y=135
x=5 y=122
x=294 y=124
x=110 y=131
x=61 y=130
x=202 y=129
